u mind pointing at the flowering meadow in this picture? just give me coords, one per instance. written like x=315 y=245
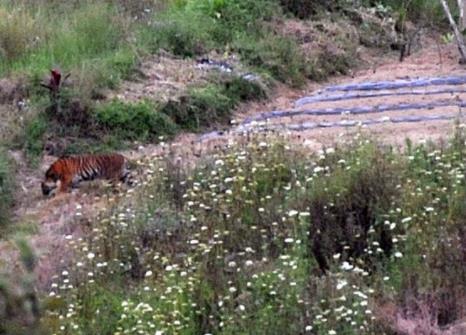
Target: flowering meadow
x=264 y=237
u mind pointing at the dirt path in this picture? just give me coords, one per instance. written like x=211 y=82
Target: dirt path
x=317 y=116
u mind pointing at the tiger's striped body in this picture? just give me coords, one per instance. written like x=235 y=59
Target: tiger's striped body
x=74 y=169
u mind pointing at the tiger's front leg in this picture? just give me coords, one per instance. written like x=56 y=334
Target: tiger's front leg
x=66 y=184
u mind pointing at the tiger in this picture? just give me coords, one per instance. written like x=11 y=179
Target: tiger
x=71 y=170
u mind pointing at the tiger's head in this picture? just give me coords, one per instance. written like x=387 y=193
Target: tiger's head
x=50 y=182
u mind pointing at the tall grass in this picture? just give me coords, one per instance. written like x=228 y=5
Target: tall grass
x=237 y=245
x=35 y=39
x=17 y=29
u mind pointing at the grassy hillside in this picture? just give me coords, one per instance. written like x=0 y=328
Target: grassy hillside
x=102 y=43
x=261 y=237
x=266 y=239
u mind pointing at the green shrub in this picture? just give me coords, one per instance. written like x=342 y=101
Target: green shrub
x=242 y=16
x=349 y=202
x=212 y=105
x=200 y=108
x=134 y=121
x=240 y=89
x=279 y=56
x=6 y=187
x=119 y=66
x=326 y=64
x=183 y=34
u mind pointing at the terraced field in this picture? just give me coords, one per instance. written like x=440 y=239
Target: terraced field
x=416 y=99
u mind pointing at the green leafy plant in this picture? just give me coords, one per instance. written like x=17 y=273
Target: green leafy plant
x=134 y=121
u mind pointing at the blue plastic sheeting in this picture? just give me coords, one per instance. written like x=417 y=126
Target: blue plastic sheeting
x=380 y=88
x=396 y=84
x=319 y=97
x=355 y=110
x=368 y=122
x=338 y=124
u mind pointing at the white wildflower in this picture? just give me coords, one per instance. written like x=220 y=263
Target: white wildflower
x=341 y=284
x=360 y=294
x=318 y=169
x=293 y=213
x=406 y=220
x=346 y=266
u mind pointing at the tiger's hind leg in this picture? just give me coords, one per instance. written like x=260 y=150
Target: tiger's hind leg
x=126 y=177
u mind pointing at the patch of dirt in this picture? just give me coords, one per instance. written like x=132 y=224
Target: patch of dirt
x=164 y=77
x=12 y=90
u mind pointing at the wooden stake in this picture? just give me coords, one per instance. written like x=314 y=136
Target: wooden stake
x=457 y=33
